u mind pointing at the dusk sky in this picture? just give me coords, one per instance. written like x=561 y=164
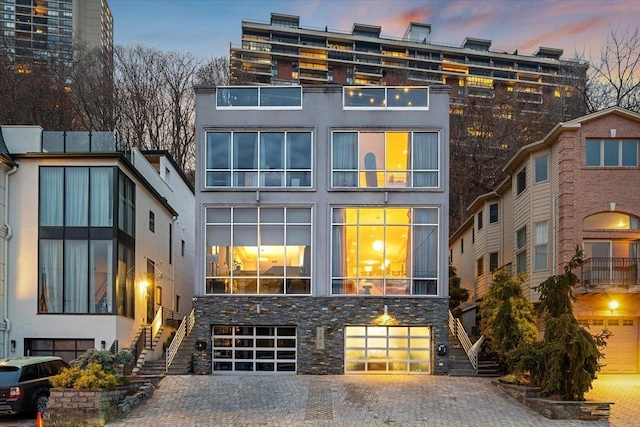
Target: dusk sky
x=207 y=27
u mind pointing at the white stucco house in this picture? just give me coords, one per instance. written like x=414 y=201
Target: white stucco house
x=101 y=242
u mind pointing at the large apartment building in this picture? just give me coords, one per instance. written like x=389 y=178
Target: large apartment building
x=322 y=216
x=575 y=187
x=45 y=30
x=282 y=51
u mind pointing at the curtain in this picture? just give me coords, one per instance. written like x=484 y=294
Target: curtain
x=345 y=159
x=424 y=257
x=76 y=197
x=338 y=246
x=76 y=274
x=101 y=197
x=51 y=196
x=245 y=159
x=425 y=159
x=101 y=284
x=50 y=293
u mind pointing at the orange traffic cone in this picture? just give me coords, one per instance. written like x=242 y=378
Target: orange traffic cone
x=39 y=422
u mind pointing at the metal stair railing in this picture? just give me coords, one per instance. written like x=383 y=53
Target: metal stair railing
x=183 y=330
x=458 y=331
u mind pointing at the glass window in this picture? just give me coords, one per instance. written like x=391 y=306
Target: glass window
x=611 y=153
x=385 y=159
x=51 y=196
x=521 y=262
x=521 y=181
x=268 y=256
x=386 y=97
x=384 y=251
x=480 y=220
x=611 y=221
x=493 y=261
x=541 y=169
x=126 y=204
x=493 y=213
x=541 y=238
x=76 y=197
x=101 y=201
x=278 y=97
x=152 y=221
x=521 y=238
x=480 y=266
x=258 y=159
x=125 y=289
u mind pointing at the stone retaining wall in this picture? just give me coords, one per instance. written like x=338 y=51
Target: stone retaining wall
x=556 y=409
x=69 y=407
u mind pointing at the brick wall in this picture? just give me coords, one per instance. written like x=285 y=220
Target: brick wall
x=585 y=191
x=308 y=313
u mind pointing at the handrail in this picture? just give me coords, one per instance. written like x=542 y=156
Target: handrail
x=114 y=347
x=185 y=328
x=157 y=323
x=471 y=349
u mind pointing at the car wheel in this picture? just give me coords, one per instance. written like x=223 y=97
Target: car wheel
x=41 y=403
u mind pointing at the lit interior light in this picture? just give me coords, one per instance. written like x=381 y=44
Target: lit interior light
x=397 y=96
x=613 y=305
x=262 y=258
x=372 y=100
x=378 y=245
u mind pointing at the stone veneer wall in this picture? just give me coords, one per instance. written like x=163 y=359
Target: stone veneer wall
x=78 y=407
x=309 y=313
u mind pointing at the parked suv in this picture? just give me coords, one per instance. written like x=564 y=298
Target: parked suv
x=24 y=383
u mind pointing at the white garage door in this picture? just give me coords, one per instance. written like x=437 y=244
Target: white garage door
x=262 y=349
x=388 y=349
x=621 y=352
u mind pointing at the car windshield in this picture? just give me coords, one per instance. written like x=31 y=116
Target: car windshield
x=9 y=374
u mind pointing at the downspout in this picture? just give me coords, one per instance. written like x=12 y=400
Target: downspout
x=5 y=274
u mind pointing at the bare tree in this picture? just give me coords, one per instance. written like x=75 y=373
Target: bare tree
x=614 y=78
x=215 y=71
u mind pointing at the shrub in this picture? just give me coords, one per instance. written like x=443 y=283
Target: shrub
x=112 y=363
x=93 y=377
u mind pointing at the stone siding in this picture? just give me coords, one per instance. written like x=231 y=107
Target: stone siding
x=86 y=408
x=308 y=313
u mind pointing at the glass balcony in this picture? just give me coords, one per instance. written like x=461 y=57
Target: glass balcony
x=78 y=142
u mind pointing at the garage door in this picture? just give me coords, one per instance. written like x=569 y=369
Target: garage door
x=621 y=352
x=388 y=349
x=260 y=349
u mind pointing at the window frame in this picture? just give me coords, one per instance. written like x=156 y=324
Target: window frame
x=480 y=266
x=602 y=152
x=537 y=161
x=410 y=171
x=259 y=171
x=494 y=213
x=259 y=96
x=539 y=244
x=386 y=280
x=521 y=181
x=236 y=224
x=152 y=221
x=494 y=261
x=480 y=220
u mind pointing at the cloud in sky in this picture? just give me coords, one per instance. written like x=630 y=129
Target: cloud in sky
x=208 y=27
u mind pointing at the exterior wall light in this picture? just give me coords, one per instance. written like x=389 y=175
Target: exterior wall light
x=613 y=305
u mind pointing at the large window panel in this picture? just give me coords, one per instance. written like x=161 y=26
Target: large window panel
x=385 y=159
x=378 y=251
x=51 y=196
x=101 y=207
x=101 y=280
x=345 y=159
x=425 y=159
x=76 y=271
x=611 y=153
x=272 y=256
x=76 y=197
x=51 y=277
x=258 y=159
x=218 y=157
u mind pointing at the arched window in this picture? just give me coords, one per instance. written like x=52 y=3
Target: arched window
x=611 y=221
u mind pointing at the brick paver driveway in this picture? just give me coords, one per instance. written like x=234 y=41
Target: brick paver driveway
x=357 y=400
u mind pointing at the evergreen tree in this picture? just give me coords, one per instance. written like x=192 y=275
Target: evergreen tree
x=507 y=316
x=457 y=294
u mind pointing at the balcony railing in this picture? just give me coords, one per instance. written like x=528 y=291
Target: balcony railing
x=610 y=272
x=79 y=142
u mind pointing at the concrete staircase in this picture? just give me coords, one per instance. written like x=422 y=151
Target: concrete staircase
x=459 y=364
x=183 y=362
